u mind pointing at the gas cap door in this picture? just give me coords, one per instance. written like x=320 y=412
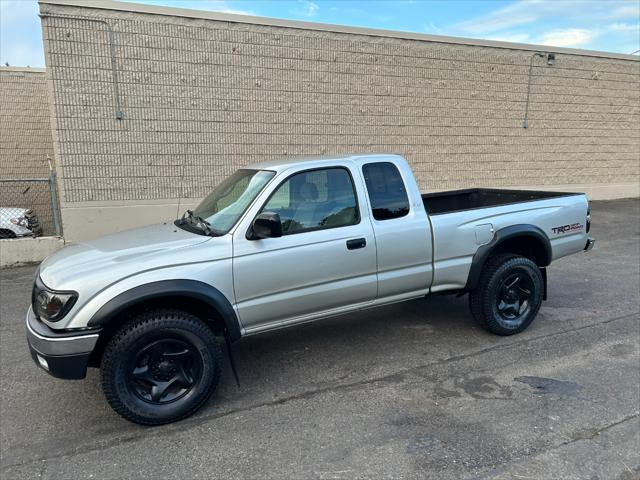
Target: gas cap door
x=484 y=233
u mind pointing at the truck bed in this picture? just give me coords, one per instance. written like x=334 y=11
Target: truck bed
x=457 y=200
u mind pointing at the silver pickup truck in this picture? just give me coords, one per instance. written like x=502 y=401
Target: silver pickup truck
x=278 y=244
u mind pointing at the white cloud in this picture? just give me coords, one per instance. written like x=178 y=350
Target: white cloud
x=510 y=37
x=20 y=40
x=306 y=8
x=234 y=11
x=524 y=12
x=624 y=27
x=518 y=13
x=22 y=54
x=432 y=28
x=12 y=11
x=631 y=11
x=603 y=25
x=582 y=37
x=220 y=6
x=568 y=37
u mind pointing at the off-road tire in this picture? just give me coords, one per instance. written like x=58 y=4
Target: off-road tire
x=485 y=300
x=153 y=328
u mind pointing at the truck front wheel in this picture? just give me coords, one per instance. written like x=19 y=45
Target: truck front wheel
x=509 y=294
x=161 y=367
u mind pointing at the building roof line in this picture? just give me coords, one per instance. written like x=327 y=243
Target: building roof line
x=302 y=25
x=21 y=69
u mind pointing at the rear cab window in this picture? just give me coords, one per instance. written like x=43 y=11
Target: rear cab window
x=386 y=190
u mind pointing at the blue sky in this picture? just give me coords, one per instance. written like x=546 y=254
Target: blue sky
x=607 y=25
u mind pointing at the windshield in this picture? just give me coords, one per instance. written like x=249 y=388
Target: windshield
x=221 y=209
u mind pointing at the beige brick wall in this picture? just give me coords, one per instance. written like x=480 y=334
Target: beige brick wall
x=25 y=141
x=202 y=97
x=25 y=123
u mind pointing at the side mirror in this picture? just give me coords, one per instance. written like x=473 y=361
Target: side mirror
x=265 y=225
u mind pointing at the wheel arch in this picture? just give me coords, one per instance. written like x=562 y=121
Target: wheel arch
x=523 y=239
x=192 y=296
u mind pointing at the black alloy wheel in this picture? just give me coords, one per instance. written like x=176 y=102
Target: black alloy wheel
x=161 y=367
x=509 y=294
x=513 y=300
x=165 y=370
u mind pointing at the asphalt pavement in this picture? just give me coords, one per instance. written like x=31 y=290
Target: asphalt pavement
x=413 y=390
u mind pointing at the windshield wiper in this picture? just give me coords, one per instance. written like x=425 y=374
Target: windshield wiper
x=197 y=221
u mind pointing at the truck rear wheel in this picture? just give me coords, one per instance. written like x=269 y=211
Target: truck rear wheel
x=509 y=294
x=161 y=367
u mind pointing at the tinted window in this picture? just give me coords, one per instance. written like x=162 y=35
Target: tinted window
x=315 y=199
x=386 y=190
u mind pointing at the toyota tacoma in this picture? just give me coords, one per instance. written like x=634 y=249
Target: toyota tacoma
x=279 y=244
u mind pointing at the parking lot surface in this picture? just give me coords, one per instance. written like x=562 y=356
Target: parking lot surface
x=414 y=390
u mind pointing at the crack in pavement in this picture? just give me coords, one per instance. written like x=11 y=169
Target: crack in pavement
x=598 y=431
x=536 y=453
x=145 y=433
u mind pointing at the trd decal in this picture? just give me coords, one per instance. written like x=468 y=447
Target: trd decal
x=567 y=228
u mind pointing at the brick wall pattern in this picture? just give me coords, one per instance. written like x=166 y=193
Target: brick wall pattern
x=203 y=97
x=26 y=141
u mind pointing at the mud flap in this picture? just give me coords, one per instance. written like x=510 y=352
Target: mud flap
x=543 y=271
x=232 y=363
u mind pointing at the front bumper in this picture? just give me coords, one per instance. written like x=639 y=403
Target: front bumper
x=62 y=354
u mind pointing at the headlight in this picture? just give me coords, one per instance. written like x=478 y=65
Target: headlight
x=19 y=221
x=51 y=305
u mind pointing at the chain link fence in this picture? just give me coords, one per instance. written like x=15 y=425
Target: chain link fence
x=29 y=207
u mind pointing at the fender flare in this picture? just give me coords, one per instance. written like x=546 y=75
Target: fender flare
x=506 y=233
x=184 y=288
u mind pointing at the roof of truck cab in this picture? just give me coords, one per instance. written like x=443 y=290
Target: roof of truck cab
x=319 y=159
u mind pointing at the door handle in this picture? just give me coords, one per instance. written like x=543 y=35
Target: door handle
x=356 y=243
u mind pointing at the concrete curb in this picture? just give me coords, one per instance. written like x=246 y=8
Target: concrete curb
x=18 y=251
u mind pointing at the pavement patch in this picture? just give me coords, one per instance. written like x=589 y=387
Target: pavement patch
x=550 y=386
